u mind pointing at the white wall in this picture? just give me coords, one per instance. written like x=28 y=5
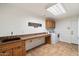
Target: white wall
x=65 y=33
x=78 y=30
x=12 y=19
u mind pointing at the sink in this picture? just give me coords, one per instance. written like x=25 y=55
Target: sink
x=10 y=39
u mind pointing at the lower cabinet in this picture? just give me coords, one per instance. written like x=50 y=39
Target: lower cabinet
x=6 y=52
x=18 y=51
x=13 y=49
x=34 y=42
x=19 y=48
x=48 y=39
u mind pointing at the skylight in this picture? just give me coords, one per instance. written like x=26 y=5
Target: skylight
x=56 y=9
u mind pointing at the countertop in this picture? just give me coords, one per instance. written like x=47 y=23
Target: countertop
x=34 y=36
x=27 y=38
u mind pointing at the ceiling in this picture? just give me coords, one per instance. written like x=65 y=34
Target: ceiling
x=39 y=9
x=72 y=9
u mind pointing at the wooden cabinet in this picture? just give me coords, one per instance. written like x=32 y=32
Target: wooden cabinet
x=7 y=52
x=50 y=23
x=48 y=39
x=18 y=51
x=13 y=49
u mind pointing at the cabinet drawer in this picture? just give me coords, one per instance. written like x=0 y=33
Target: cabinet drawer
x=11 y=45
x=6 y=52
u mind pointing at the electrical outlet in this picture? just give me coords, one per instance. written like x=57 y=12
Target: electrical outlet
x=11 y=33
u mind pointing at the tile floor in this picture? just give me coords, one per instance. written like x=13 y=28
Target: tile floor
x=59 y=49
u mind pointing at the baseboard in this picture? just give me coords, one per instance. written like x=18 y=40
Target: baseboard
x=69 y=42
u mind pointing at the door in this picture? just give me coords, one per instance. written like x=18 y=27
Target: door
x=68 y=29
x=74 y=30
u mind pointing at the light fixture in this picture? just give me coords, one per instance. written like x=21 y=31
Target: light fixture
x=56 y=9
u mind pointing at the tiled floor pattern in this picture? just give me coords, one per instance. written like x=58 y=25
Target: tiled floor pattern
x=59 y=49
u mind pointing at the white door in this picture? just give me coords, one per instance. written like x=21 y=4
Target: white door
x=74 y=30
x=68 y=30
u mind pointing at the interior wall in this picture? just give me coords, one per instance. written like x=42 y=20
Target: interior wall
x=78 y=30
x=13 y=19
x=68 y=29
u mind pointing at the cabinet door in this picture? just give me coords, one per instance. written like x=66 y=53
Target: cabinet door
x=48 y=39
x=17 y=51
x=28 y=44
x=53 y=24
x=32 y=43
x=6 y=52
x=50 y=23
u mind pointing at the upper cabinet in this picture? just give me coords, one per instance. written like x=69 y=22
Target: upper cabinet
x=50 y=23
